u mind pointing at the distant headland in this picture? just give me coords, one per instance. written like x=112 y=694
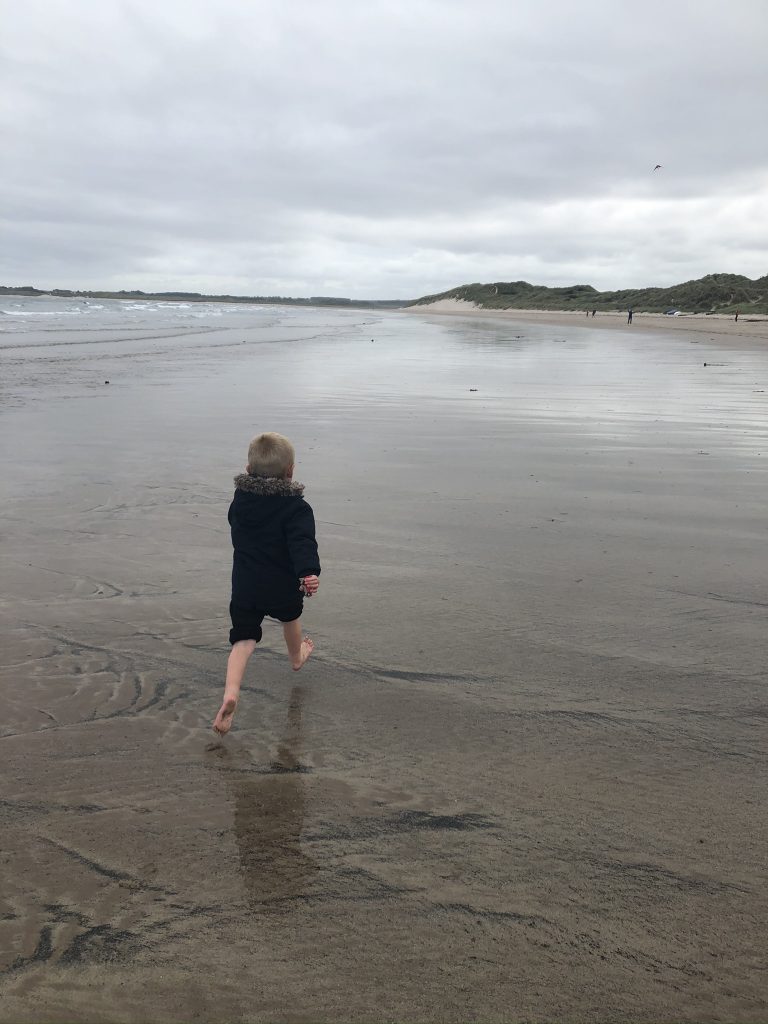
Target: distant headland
x=271 y=300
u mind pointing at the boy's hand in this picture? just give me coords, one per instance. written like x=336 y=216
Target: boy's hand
x=309 y=585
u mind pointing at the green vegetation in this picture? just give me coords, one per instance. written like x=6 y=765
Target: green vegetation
x=715 y=293
x=315 y=300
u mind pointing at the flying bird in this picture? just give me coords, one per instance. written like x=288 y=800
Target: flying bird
x=657 y=167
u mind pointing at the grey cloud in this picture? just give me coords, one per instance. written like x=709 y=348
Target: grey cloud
x=146 y=136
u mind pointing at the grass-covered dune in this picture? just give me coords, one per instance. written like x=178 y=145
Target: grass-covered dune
x=715 y=293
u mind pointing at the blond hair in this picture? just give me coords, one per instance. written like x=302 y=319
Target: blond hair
x=270 y=455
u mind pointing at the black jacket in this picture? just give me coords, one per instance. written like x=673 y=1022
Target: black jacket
x=273 y=534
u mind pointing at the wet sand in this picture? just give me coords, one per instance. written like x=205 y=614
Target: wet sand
x=523 y=776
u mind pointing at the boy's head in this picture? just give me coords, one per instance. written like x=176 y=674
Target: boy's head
x=271 y=455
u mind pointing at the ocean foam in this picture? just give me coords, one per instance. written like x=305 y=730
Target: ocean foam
x=36 y=312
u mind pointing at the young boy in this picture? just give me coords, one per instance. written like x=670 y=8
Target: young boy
x=275 y=561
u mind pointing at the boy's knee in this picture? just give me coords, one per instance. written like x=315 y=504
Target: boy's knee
x=246 y=646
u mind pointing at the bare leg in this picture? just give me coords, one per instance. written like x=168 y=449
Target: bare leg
x=238 y=659
x=299 y=648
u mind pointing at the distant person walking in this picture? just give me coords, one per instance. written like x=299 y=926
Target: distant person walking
x=593 y=312
x=629 y=316
x=736 y=318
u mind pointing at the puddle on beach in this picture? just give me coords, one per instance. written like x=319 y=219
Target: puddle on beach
x=269 y=809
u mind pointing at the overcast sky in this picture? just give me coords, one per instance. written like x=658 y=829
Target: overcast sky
x=381 y=148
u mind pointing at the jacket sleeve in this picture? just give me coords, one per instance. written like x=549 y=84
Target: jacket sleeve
x=302 y=546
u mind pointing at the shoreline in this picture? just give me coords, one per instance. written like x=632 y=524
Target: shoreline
x=696 y=323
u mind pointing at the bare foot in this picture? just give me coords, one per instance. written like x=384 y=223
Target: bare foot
x=222 y=723
x=307 y=646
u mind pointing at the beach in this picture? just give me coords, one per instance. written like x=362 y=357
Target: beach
x=523 y=775
x=712 y=325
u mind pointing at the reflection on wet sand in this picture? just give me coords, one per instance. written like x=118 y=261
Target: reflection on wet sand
x=269 y=811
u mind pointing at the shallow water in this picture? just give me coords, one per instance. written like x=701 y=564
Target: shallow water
x=529 y=750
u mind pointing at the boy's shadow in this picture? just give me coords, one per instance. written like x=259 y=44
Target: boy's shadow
x=269 y=817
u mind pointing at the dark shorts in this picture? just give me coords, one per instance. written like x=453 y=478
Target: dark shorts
x=246 y=622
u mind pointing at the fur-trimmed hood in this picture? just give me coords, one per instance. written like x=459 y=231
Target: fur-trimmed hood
x=268 y=486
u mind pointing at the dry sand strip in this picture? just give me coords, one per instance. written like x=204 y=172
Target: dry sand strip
x=715 y=324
